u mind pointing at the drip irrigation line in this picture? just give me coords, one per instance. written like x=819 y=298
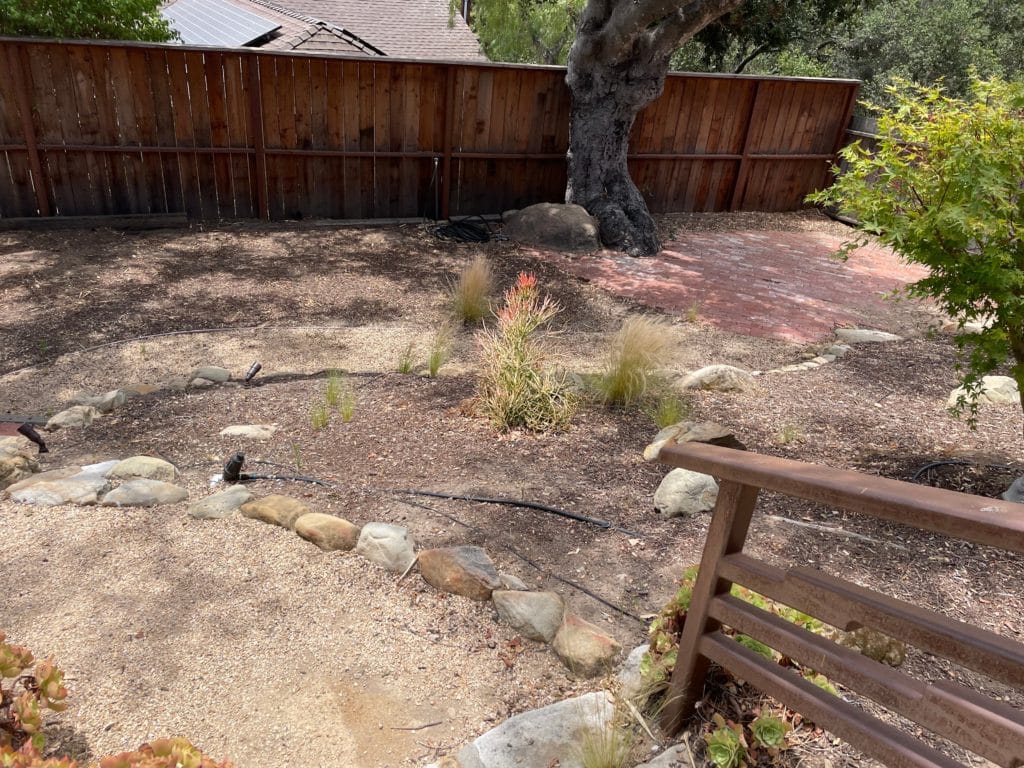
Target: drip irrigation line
x=524 y=558
x=516 y=503
x=956 y=463
x=461 y=231
x=296 y=478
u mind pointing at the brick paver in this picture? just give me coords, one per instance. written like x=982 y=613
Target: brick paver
x=781 y=285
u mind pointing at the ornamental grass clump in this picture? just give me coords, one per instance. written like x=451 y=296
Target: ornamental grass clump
x=640 y=346
x=517 y=390
x=470 y=295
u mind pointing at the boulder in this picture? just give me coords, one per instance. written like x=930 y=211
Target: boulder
x=837 y=350
x=509 y=581
x=632 y=686
x=466 y=571
x=211 y=373
x=140 y=389
x=865 y=336
x=875 y=645
x=389 y=546
x=327 y=531
x=534 y=615
x=220 y=504
x=17 y=460
x=145 y=466
x=683 y=492
x=723 y=378
x=144 y=492
x=275 y=509
x=249 y=431
x=105 y=403
x=549 y=736
x=554 y=225
x=1015 y=492
x=995 y=390
x=70 y=485
x=584 y=648
x=692 y=432
x=75 y=416
x=675 y=756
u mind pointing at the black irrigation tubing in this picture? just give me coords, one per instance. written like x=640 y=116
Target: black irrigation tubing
x=956 y=463
x=530 y=562
x=515 y=503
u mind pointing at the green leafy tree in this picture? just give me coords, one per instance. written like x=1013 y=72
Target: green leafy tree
x=96 y=19
x=945 y=188
x=526 y=31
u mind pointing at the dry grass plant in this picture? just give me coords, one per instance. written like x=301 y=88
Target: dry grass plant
x=470 y=295
x=440 y=349
x=406 y=360
x=636 y=350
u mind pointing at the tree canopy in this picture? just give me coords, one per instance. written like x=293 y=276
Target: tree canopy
x=96 y=19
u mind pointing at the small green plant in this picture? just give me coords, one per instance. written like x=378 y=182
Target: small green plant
x=726 y=745
x=470 y=294
x=335 y=385
x=669 y=408
x=517 y=390
x=693 y=313
x=347 y=406
x=636 y=350
x=320 y=416
x=770 y=732
x=788 y=434
x=440 y=350
x=297 y=457
x=405 y=360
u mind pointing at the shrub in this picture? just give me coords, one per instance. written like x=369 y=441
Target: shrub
x=516 y=389
x=470 y=294
x=636 y=350
x=943 y=189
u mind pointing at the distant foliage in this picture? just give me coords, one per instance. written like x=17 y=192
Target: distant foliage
x=93 y=19
x=526 y=31
x=945 y=188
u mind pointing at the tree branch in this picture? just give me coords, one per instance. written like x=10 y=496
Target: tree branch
x=687 y=20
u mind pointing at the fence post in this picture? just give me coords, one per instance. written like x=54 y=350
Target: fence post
x=259 y=142
x=844 y=125
x=726 y=536
x=19 y=70
x=739 y=186
x=446 y=163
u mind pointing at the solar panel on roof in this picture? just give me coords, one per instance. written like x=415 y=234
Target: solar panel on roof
x=216 y=23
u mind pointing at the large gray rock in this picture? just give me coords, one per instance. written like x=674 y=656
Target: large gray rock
x=995 y=390
x=250 y=431
x=144 y=466
x=328 y=532
x=584 y=648
x=466 y=571
x=17 y=460
x=543 y=737
x=675 y=756
x=104 y=403
x=683 y=492
x=220 y=504
x=71 y=485
x=865 y=336
x=1015 y=492
x=724 y=378
x=144 y=492
x=75 y=416
x=211 y=373
x=554 y=225
x=632 y=686
x=535 y=615
x=276 y=510
x=692 y=432
x=389 y=546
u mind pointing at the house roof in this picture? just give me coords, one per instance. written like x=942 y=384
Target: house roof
x=421 y=29
x=217 y=22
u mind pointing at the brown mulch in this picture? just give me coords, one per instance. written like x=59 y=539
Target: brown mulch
x=356 y=296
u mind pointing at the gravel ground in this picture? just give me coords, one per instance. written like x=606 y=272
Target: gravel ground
x=260 y=647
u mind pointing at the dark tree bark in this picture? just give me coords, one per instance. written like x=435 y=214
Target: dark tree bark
x=617 y=66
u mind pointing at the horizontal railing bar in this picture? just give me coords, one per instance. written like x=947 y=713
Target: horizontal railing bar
x=849 y=607
x=989 y=728
x=992 y=522
x=871 y=736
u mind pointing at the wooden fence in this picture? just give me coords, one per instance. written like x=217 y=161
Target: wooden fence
x=103 y=129
x=984 y=725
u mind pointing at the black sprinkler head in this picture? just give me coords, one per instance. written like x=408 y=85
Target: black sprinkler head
x=253 y=370
x=233 y=468
x=29 y=431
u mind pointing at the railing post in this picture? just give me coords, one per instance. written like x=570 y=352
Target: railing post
x=726 y=536
x=20 y=72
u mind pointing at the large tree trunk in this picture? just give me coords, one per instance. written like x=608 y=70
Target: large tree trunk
x=617 y=66
x=605 y=103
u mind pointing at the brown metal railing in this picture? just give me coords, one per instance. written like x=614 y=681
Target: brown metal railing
x=992 y=729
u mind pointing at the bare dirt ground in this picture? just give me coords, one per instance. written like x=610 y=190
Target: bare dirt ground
x=264 y=649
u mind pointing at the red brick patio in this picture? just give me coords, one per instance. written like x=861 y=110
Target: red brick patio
x=770 y=284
